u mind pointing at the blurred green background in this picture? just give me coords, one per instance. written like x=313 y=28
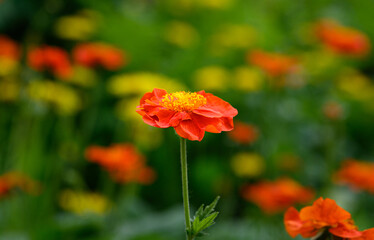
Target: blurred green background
x=302 y=122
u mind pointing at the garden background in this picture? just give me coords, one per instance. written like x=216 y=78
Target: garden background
x=300 y=74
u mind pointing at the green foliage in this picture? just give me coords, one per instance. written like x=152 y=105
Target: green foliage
x=204 y=218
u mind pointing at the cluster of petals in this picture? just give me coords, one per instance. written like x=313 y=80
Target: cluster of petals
x=277 y=196
x=52 y=59
x=323 y=215
x=341 y=39
x=274 y=64
x=99 y=54
x=358 y=174
x=190 y=114
x=9 y=49
x=124 y=163
x=243 y=133
x=15 y=180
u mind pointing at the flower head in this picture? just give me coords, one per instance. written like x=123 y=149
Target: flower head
x=190 y=114
x=123 y=162
x=9 y=49
x=12 y=180
x=274 y=64
x=273 y=197
x=323 y=215
x=99 y=54
x=9 y=56
x=244 y=133
x=247 y=164
x=53 y=59
x=83 y=202
x=358 y=174
x=341 y=39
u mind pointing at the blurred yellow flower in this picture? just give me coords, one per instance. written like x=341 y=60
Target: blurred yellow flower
x=63 y=98
x=356 y=85
x=181 y=34
x=215 y=4
x=140 y=82
x=83 y=202
x=8 y=66
x=77 y=27
x=211 y=78
x=83 y=76
x=248 y=79
x=247 y=164
x=326 y=61
x=232 y=36
x=9 y=90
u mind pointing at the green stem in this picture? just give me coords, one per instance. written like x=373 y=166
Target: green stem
x=186 y=203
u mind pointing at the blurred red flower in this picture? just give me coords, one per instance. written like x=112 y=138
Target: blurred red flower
x=341 y=39
x=274 y=64
x=12 y=180
x=9 y=48
x=244 y=133
x=358 y=174
x=99 y=54
x=273 y=197
x=124 y=163
x=49 y=58
x=323 y=215
x=190 y=114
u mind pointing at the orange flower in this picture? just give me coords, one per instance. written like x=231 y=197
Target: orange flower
x=9 y=49
x=99 y=54
x=333 y=110
x=53 y=59
x=12 y=180
x=244 y=133
x=273 y=197
x=323 y=215
x=358 y=174
x=273 y=64
x=123 y=162
x=190 y=114
x=342 y=39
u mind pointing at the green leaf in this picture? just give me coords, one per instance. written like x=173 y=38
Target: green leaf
x=204 y=218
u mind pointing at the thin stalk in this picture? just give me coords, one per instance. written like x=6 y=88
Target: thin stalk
x=186 y=203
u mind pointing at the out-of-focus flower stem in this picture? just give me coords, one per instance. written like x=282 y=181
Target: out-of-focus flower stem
x=183 y=149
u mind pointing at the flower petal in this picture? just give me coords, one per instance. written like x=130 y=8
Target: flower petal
x=345 y=231
x=292 y=222
x=207 y=112
x=189 y=130
x=219 y=105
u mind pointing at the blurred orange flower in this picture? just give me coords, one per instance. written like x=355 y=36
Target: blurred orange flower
x=323 y=215
x=49 y=58
x=12 y=180
x=190 y=114
x=333 y=110
x=341 y=39
x=273 y=197
x=99 y=54
x=9 y=48
x=274 y=64
x=358 y=174
x=124 y=163
x=244 y=133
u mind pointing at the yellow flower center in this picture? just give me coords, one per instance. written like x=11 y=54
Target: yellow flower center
x=183 y=101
